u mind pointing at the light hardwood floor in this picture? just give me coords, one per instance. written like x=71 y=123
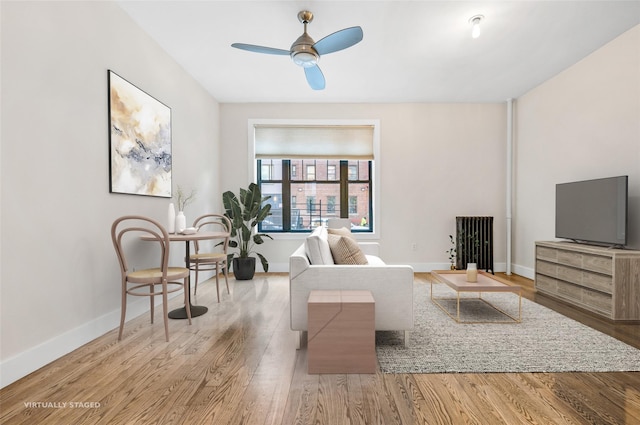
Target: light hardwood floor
x=238 y=364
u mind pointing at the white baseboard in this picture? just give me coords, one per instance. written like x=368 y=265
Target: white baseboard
x=36 y=357
x=527 y=272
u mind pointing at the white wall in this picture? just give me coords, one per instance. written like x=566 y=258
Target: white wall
x=60 y=283
x=437 y=161
x=582 y=124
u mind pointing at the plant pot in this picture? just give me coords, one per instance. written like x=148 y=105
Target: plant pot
x=244 y=268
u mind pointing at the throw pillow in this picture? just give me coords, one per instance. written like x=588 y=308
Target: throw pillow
x=345 y=250
x=343 y=231
x=317 y=247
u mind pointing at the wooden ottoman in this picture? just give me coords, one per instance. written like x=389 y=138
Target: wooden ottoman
x=341 y=332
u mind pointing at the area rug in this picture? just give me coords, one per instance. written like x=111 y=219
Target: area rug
x=545 y=341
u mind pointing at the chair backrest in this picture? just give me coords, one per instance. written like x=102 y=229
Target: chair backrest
x=214 y=223
x=140 y=226
x=337 y=223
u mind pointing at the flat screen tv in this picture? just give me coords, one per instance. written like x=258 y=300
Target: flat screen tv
x=593 y=211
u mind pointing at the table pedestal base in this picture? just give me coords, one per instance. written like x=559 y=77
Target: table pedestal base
x=181 y=313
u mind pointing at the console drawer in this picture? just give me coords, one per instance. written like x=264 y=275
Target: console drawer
x=569 y=290
x=585 y=278
x=597 y=281
x=596 y=263
x=544 y=253
x=546 y=284
x=549 y=269
x=597 y=300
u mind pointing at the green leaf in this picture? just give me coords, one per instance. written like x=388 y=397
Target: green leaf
x=265 y=263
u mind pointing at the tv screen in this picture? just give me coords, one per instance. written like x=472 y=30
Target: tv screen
x=593 y=211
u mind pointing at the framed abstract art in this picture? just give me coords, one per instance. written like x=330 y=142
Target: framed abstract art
x=139 y=141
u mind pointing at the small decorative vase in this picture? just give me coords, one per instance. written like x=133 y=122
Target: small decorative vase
x=452 y=267
x=181 y=222
x=171 y=219
x=472 y=272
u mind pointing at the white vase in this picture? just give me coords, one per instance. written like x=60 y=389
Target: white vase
x=171 y=219
x=181 y=222
x=472 y=272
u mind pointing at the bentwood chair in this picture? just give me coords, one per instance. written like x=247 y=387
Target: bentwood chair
x=208 y=260
x=162 y=280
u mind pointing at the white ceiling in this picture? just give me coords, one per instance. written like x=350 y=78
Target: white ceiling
x=412 y=51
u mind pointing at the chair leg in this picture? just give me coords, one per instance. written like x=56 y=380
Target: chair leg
x=123 y=308
x=165 y=308
x=225 y=270
x=152 y=298
x=217 y=284
x=195 y=287
x=186 y=300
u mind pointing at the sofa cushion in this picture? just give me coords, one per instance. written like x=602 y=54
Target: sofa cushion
x=317 y=247
x=373 y=260
x=345 y=250
x=342 y=231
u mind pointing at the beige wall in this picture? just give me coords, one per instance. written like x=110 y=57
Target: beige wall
x=60 y=284
x=436 y=161
x=582 y=124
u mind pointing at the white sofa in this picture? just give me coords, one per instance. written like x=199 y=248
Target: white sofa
x=311 y=267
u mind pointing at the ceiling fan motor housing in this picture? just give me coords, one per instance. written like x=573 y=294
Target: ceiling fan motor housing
x=302 y=51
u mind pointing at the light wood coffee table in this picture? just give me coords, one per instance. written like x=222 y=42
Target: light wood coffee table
x=457 y=280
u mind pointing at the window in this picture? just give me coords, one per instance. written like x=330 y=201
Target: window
x=266 y=171
x=353 y=205
x=311 y=172
x=306 y=203
x=331 y=204
x=331 y=172
x=317 y=171
x=353 y=172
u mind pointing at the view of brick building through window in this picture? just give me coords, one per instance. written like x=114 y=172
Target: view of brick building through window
x=315 y=190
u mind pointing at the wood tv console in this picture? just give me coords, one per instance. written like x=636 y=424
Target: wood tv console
x=605 y=281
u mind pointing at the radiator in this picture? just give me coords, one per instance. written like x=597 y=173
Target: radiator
x=474 y=242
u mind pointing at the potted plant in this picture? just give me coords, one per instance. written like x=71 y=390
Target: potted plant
x=452 y=253
x=245 y=212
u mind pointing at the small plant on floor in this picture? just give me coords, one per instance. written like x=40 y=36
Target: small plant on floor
x=245 y=212
x=452 y=253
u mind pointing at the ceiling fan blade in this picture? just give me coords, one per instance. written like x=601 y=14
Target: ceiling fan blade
x=339 y=40
x=260 y=49
x=315 y=78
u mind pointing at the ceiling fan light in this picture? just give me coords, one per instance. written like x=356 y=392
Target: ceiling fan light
x=305 y=59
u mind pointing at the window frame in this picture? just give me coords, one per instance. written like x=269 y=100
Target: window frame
x=312 y=204
x=376 y=163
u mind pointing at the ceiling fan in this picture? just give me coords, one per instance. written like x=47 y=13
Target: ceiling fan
x=306 y=53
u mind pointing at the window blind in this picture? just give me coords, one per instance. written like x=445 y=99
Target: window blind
x=314 y=141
